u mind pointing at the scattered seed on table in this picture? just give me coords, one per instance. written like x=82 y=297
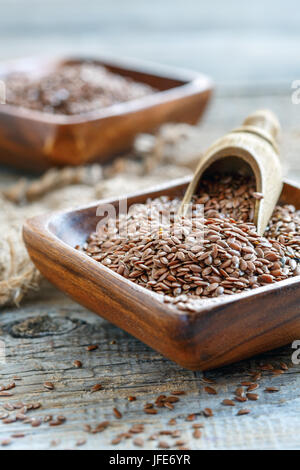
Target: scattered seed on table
x=92 y=347
x=116 y=441
x=58 y=421
x=7 y=387
x=165 y=433
x=47 y=418
x=80 y=442
x=138 y=442
x=207 y=380
x=197 y=425
x=77 y=364
x=131 y=398
x=239 y=392
x=228 y=402
x=9 y=420
x=266 y=367
x=136 y=429
x=272 y=389
x=96 y=388
x=100 y=427
x=55 y=443
x=252 y=396
x=36 y=423
x=180 y=443
x=163 y=445
x=49 y=385
x=210 y=390
x=18 y=435
x=148 y=406
x=8 y=407
x=169 y=405
x=178 y=392
x=284 y=366
x=197 y=434
x=172 y=422
x=256 y=376
x=150 y=411
x=117 y=413
x=241 y=399
x=20 y=417
x=6 y=394
x=208 y=412
x=252 y=387
x=172 y=399
x=5 y=442
x=277 y=372
x=243 y=412
x=191 y=417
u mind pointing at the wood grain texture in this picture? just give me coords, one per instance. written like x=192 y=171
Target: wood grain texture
x=221 y=332
x=128 y=367
x=34 y=140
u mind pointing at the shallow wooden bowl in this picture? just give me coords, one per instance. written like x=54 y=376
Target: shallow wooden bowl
x=35 y=140
x=237 y=327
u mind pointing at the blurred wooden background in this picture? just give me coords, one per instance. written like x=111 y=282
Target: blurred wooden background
x=249 y=48
x=235 y=42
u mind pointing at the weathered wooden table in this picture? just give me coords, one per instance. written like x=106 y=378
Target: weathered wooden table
x=44 y=337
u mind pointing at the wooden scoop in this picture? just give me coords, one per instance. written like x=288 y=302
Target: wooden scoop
x=251 y=148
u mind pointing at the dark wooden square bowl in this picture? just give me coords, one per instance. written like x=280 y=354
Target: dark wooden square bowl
x=36 y=140
x=234 y=328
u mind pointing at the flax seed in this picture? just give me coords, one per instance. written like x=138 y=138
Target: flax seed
x=77 y=364
x=191 y=417
x=208 y=412
x=49 y=385
x=243 y=412
x=5 y=442
x=131 y=398
x=228 y=402
x=92 y=347
x=117 y=413
x=163 y=445
x=197 y=434
x=252 y=396
x=172 y=422
x=138 y=442
x=96 y=388
x=210 y=390
x=252 y=387
x=272 y=389
x=151 y=411
x=80 y=442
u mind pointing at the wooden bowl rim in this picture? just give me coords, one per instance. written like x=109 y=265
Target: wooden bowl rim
x=192 y=82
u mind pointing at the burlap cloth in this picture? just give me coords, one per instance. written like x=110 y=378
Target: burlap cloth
x=171 y=154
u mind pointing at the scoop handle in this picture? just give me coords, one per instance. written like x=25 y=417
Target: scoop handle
x=264 y=123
